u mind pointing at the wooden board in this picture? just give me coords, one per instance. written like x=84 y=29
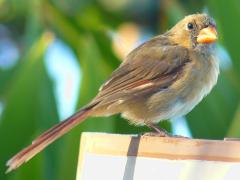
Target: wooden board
x=113 y=156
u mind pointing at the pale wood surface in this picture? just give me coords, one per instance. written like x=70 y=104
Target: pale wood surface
x=162 y=148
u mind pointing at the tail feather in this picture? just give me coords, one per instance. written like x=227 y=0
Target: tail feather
x=47 y=138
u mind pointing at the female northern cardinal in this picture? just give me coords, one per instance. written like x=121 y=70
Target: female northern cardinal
x=165 y=77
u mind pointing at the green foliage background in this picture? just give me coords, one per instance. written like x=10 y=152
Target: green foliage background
x=27 y=90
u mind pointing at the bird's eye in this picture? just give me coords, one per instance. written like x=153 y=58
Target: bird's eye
x=190 y=26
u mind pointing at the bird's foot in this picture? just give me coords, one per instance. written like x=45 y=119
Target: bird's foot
x=179 y=136
x=157 y=134
x=163 y=134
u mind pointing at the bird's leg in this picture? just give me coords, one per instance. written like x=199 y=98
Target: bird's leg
x=160 y=132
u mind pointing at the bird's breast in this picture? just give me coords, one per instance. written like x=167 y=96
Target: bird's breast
x=194 y=83
x=197 y=81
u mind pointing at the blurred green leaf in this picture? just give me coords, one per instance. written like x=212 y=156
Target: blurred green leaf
x=62 y=25
x=30 y=108
x=5 y=77
x=205 y=120
x=224 y=13
x=234 y=130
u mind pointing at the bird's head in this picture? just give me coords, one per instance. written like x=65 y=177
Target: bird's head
x=194 y=31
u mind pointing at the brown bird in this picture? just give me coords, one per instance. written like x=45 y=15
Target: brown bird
x=163 y=78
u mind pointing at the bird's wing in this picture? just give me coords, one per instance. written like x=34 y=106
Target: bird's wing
x=150 y=67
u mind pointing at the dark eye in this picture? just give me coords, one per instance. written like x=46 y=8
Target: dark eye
x=190 y=26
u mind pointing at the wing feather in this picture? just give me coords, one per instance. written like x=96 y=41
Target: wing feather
x=149 y=67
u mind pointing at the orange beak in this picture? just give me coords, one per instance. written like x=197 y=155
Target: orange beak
x=207 y=35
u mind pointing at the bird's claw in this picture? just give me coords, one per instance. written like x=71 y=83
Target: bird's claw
x=162 y=134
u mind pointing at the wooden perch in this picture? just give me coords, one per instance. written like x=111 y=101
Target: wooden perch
x=127 y=157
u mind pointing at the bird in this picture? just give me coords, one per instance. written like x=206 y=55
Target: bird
x=163 y=78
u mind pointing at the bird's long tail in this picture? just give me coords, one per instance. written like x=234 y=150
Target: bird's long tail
x=48 y=137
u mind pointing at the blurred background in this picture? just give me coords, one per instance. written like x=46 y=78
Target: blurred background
x=54 y=55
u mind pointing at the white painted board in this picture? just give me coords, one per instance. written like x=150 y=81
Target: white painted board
x=129 y=157
x=107 y=167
